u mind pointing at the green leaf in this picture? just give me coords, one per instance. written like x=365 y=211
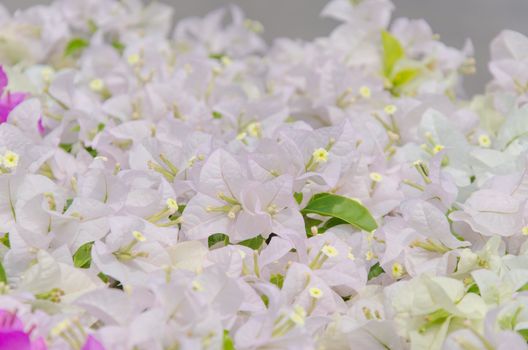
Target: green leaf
x=83 y=256
x=119 y=46
x=75 y=46
x=181 y=208
x=3 y=276
x=298 y=197
x=92 y=151
x=68 y=203
x=404 y=76
x=92 y=26
x=375 y=271
x=67 y=147
x=228 y=341
x=346 y=209
x=331 y=223
x=523 y=333
x=5 y=240
x=103 y=277
x=277 y=280
x=216 y=238
x=435 y=318
x=392 y=52
x=253 y=243
x=474 y=288
x=217 y=56
x=217 y=115
x=265 y=299
x=524 y=288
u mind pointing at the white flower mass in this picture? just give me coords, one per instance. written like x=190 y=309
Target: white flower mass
x=181 y=186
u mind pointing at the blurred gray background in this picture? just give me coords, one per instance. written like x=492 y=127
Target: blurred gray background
x=454 y=20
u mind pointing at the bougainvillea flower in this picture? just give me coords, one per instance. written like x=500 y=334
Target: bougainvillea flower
x=8 y=100
x=13 y=335
x=189 y=186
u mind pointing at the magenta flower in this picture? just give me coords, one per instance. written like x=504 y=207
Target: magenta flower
x=14 y=337
x=92 y=344
x=8 y=100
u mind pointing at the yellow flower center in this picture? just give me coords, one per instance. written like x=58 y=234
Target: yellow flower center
x=139 y=236
x=255 y=129
x=438 y=148
x=484 y=141
x=197 y=286
x=376 y=177
x=315 y=293
x=369 y=255
x=172 y=205
x=320 y=155
x=133 y=59
x=10 y=160
x=97 y=85
x=330 y=251
x=390 y=109
x=365 y=92
x=397 y=270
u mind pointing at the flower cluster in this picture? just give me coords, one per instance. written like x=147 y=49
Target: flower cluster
x=193 y=187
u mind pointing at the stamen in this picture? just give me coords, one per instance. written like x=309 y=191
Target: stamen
x=365 y=92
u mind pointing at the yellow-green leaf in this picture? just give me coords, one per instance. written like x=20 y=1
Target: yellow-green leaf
x=404 y=76
x=277 y=279
x=75 y=46
x=346 y=209
x=3 y=276
x=83 y=256
x=253 y=243
x=217 y=238
x=228 y=343
x=392 y=52
x=375 y=271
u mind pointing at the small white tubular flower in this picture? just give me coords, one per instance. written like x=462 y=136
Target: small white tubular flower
x=320 y=155
x=484 y=141
x=197 y=286
x=390 y=109
x=298 y=315
x=351 y=256
x=10 y=159
x=315 y=293
x=376 y=177
x=254 y=26
x=365 y=92
x=369 y=255
x=133 y=59
x=97 y=85
x=139 y=236
x=330 y=251
x=60 y=327
x=242 y=253
x=254 y=129
x=172 y=204
x=241 y=136
x=47 y=74
x=397 y=270
x=438 y=148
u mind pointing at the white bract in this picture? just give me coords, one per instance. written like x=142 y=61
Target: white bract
x=194 y=187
